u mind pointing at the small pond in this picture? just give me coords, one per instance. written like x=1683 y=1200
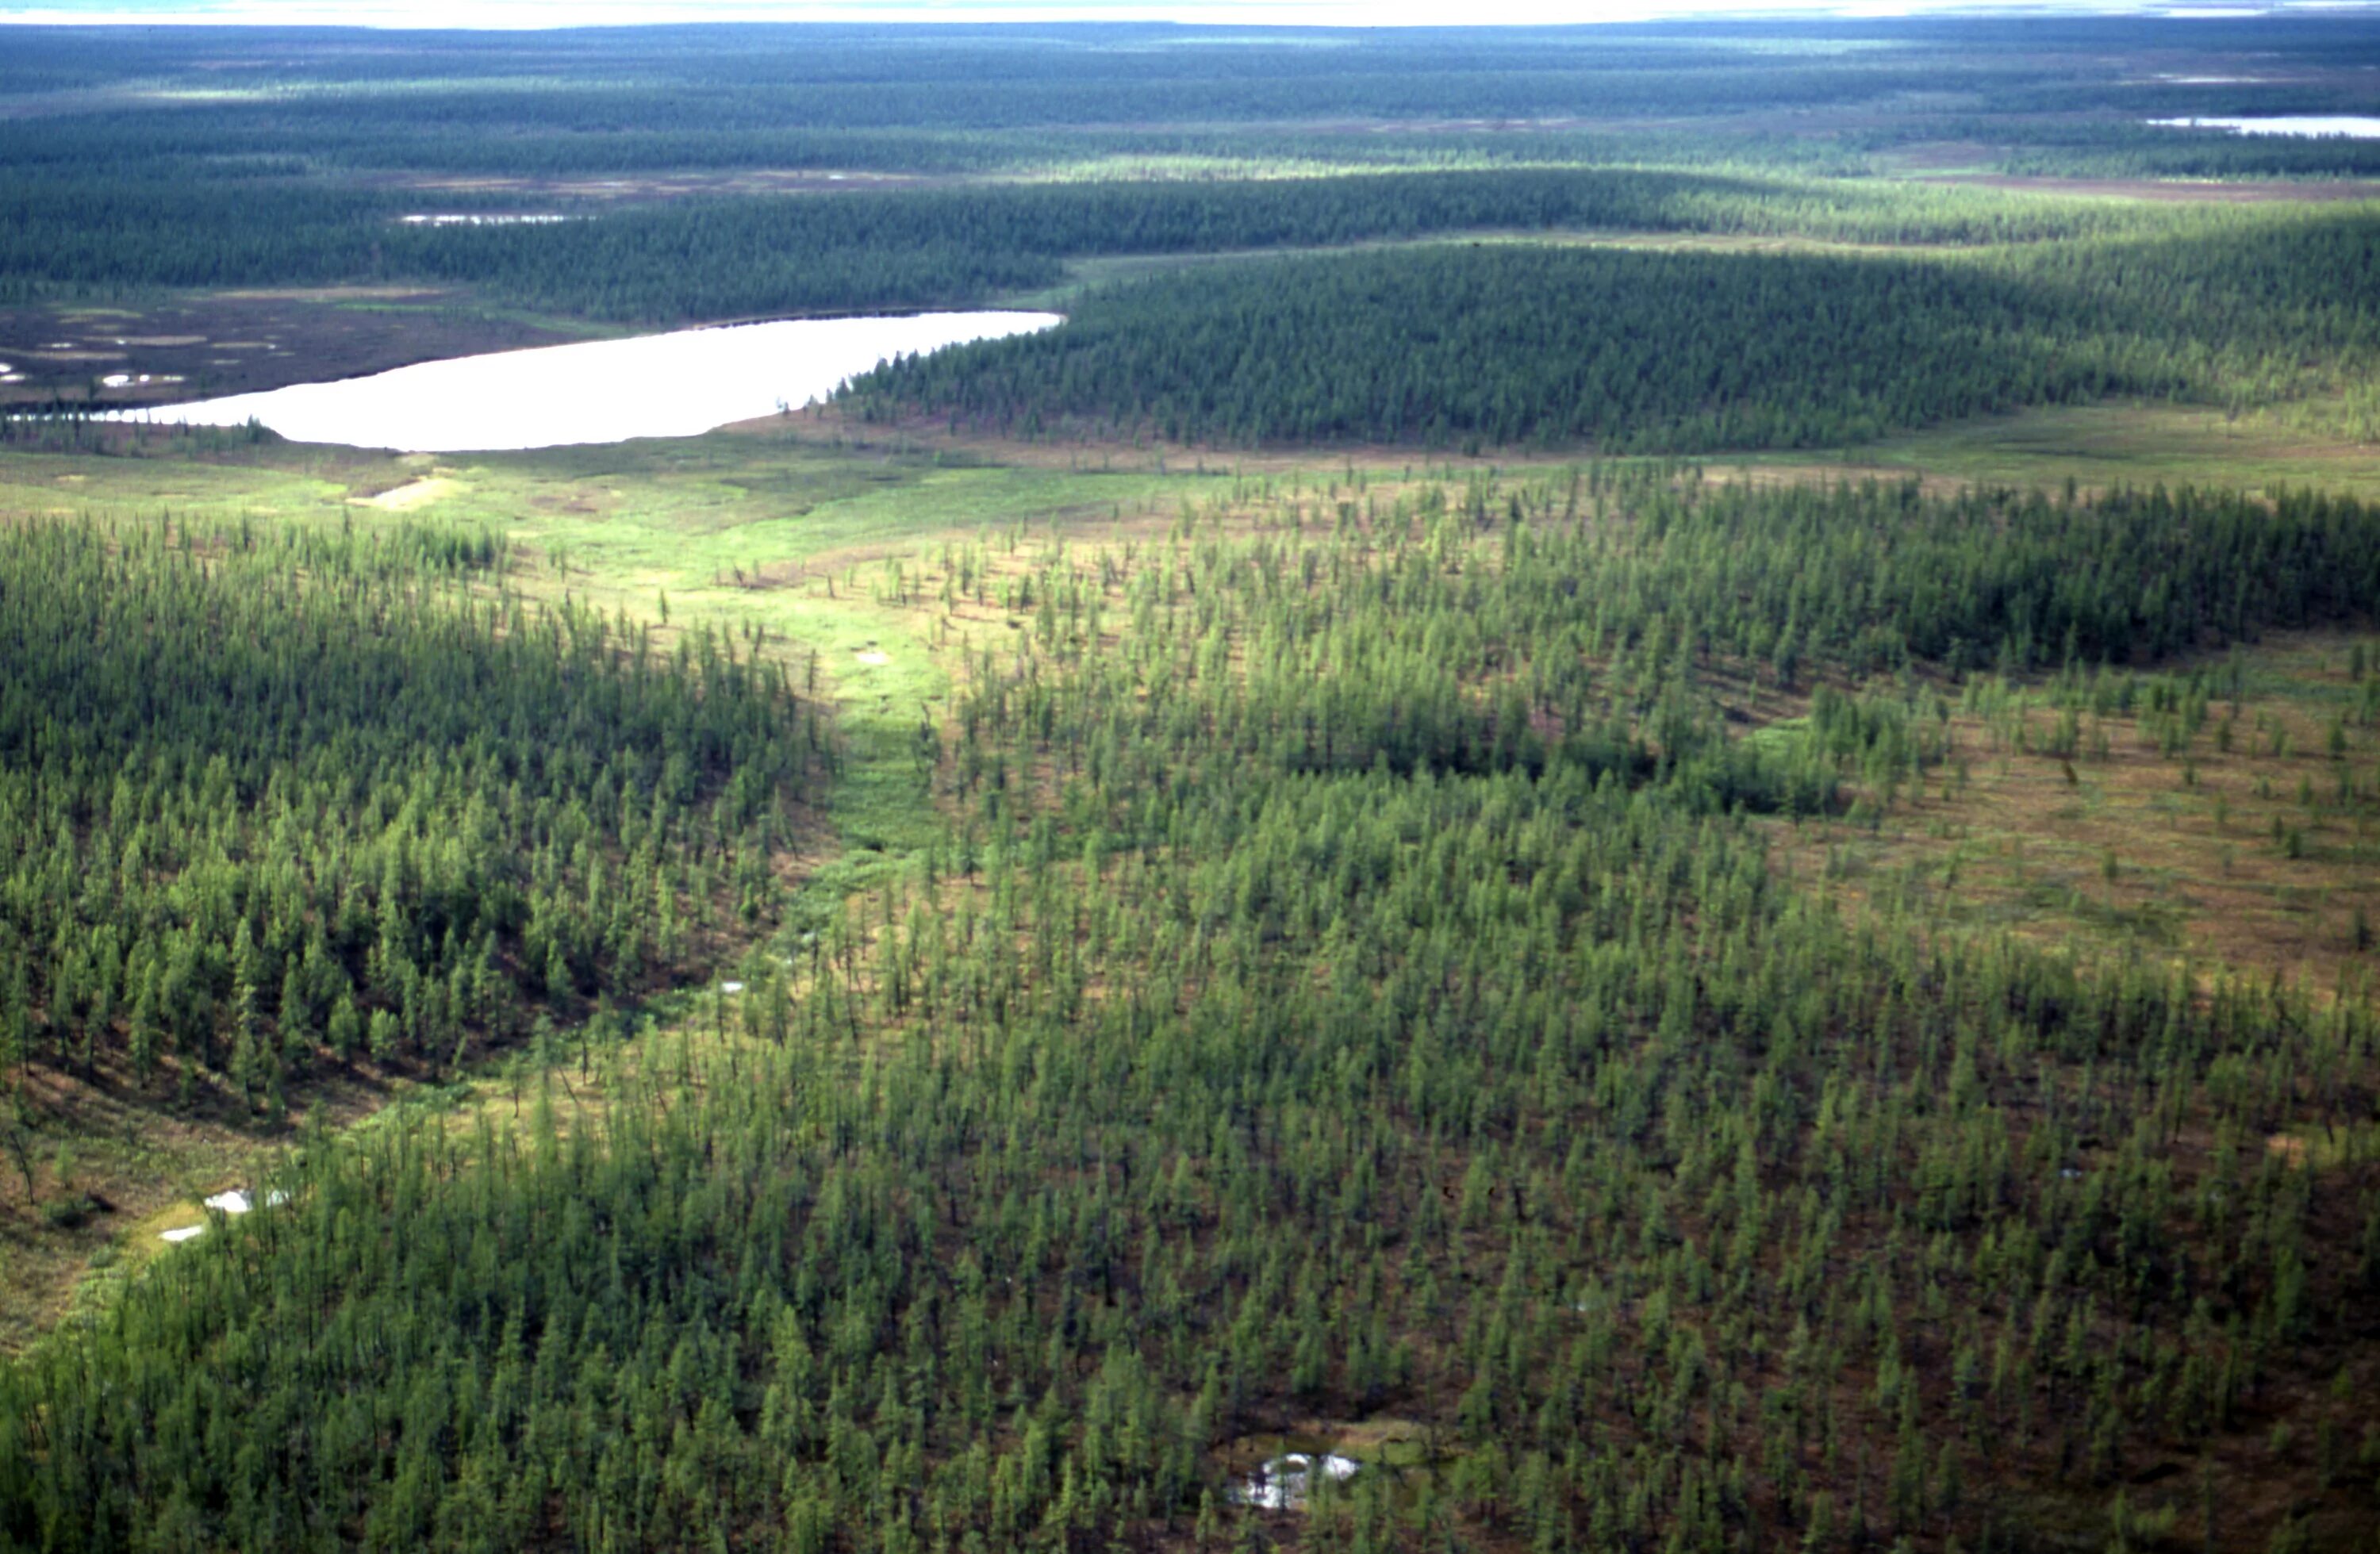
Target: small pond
x=603 y=390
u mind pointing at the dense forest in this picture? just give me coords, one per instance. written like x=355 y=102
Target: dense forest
x=274 y=798
x=718 y=257
x=1349 y=989
x=1499 y=345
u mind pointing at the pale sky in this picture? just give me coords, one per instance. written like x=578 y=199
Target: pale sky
x=1323 y=13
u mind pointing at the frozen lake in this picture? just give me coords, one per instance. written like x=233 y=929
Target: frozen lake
x=2355 y=126
x=603 y=391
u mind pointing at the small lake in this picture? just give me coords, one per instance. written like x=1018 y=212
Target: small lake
x=603 y=391
x=2354 y=125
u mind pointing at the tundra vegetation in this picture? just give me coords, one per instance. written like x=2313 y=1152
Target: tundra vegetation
x=1450 y=847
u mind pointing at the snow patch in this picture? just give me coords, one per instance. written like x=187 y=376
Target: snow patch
x=1284 y=1481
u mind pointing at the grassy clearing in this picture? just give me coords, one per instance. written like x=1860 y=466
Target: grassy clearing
x=802 y=542
x=2118 y=442
x=2254 y=846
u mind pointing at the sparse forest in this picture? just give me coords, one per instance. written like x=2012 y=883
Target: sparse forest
x=1350 y=987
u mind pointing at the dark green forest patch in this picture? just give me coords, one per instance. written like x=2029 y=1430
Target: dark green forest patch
x=278 y=799
x=1500 y=346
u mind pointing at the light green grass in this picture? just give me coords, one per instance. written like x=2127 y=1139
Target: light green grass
x=2126 y=442
x=625 y=527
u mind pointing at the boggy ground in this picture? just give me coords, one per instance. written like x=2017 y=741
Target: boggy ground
x=2253 y=846
x=2113 y=442
x=197 y=346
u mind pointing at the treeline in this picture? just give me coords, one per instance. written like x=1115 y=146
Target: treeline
x=271 y=796
x=62 y=236
x=1184 y=1091
x=1878 y=577
x=1504 y=345
x=2090 y=150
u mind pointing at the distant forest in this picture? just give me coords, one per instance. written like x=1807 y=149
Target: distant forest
x=712 y=257
x=263 y=158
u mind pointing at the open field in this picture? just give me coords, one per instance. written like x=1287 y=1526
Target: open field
x=2251 y=848
x=2100 y=445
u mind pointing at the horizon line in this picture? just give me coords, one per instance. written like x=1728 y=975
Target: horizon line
x=540 y=16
